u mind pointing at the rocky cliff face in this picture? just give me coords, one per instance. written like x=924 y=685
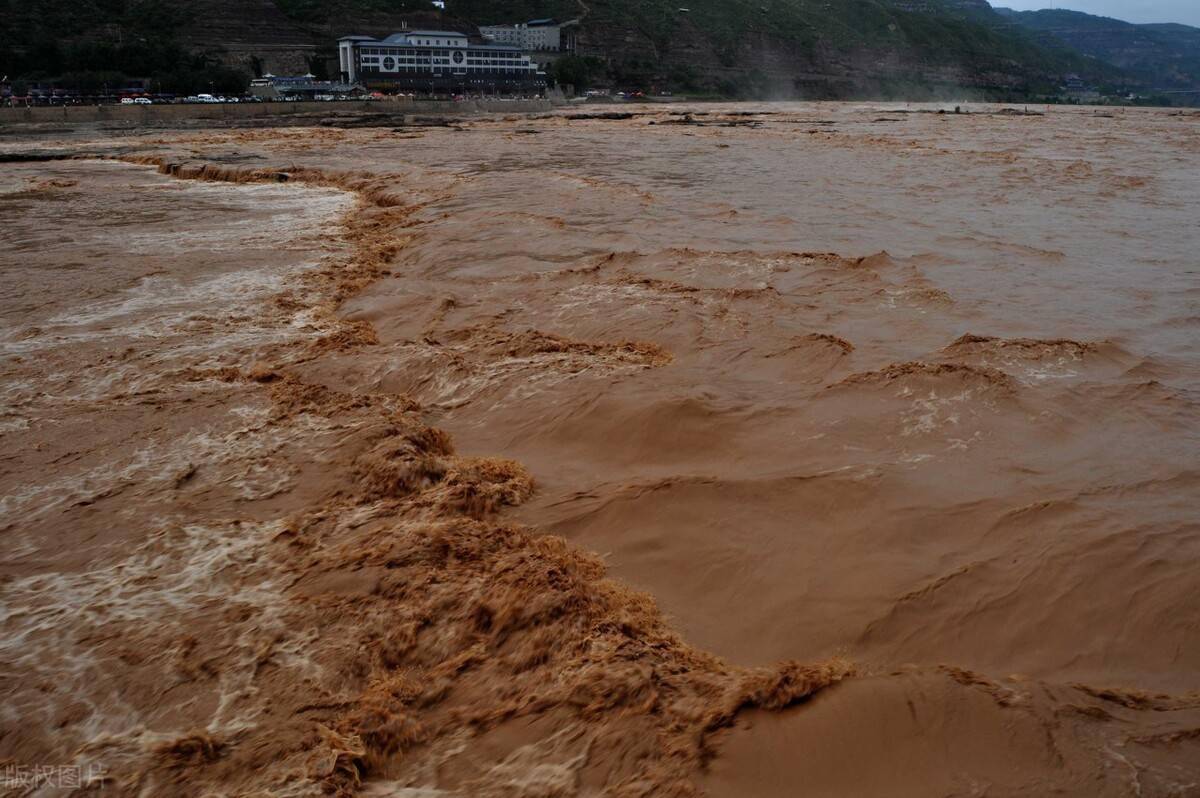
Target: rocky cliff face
x=257 y=34
x=252 y=35
x=917 y=48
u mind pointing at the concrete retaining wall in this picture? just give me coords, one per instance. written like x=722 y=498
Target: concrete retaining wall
x=169 y=115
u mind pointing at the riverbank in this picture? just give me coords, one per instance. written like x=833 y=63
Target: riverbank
x=288 y=114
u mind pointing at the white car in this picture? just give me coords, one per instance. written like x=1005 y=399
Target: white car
x=126 y=101
x=142 y=101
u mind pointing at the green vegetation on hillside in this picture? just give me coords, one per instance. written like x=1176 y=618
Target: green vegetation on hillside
x=580 y=72
x=321 y=11
x=499 y=12
x=93 y=46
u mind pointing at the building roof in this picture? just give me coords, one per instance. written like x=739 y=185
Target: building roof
x=428 y=33
x=402 y=38
x=403 y=35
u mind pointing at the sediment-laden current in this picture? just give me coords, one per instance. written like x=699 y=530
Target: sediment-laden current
x=735 y=450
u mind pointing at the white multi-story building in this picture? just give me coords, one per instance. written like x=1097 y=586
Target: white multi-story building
x=436 y=60
x=537 y=35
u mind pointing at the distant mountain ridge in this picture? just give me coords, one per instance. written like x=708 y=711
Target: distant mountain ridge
x=1163 y=56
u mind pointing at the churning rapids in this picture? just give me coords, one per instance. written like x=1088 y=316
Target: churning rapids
x=774 y=450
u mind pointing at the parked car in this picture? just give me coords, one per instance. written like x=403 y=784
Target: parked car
x=142 y=101
x=126 y=101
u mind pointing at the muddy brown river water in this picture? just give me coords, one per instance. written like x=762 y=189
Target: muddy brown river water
x=747 y=450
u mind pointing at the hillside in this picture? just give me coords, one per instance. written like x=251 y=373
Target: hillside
x=755 y=48
x=184 y=47
x=812 y=48
x=1162 y=56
